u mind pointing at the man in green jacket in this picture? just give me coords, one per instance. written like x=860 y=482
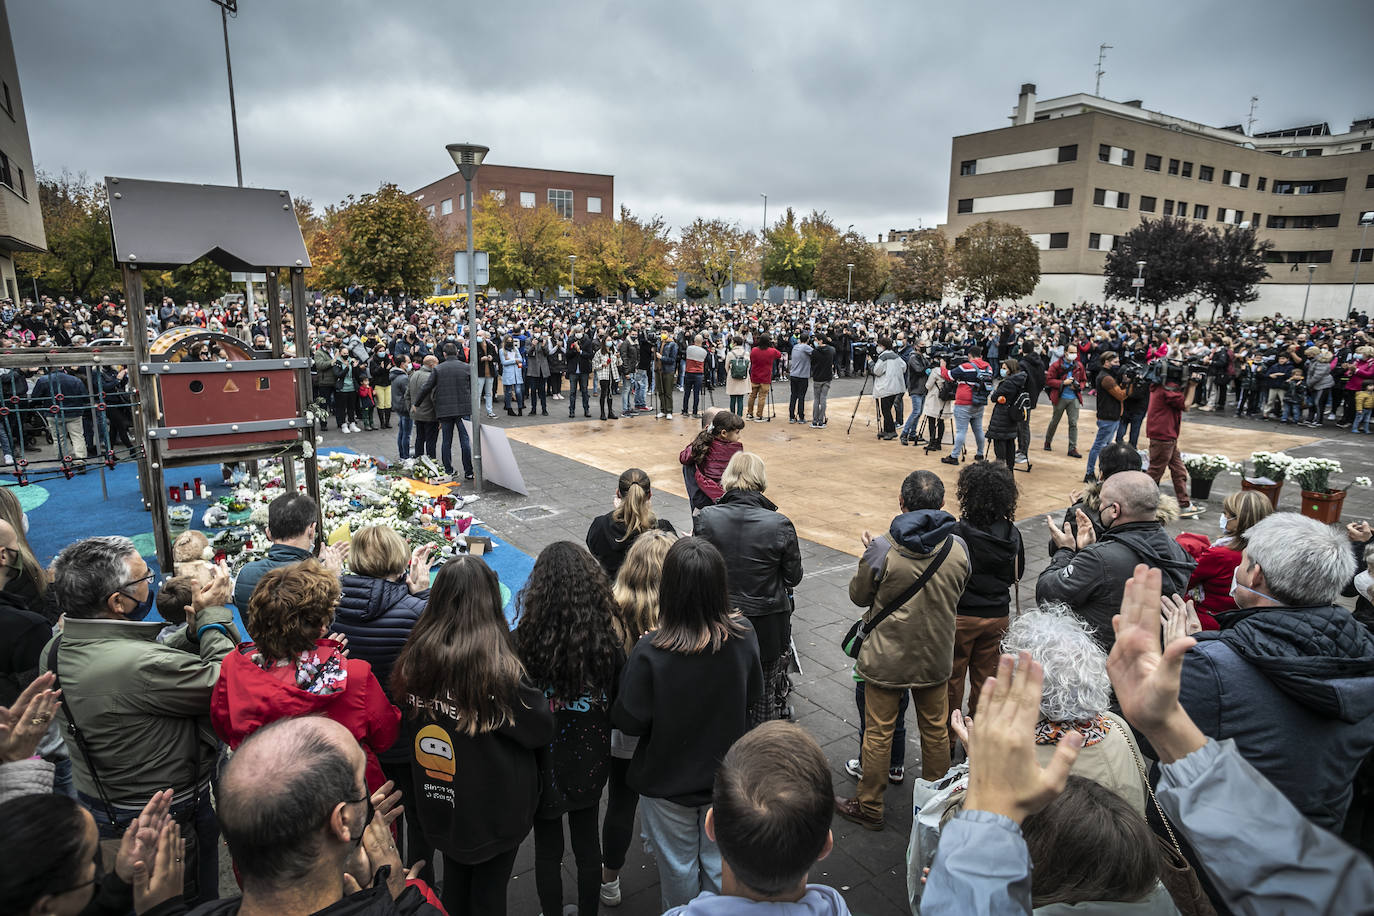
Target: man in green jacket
x=141 y=707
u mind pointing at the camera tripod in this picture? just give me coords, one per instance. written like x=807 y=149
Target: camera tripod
x=862 y=388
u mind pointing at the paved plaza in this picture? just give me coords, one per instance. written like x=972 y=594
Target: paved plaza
x=869 y=868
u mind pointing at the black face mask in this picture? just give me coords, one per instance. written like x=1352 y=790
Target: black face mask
x=371 y=811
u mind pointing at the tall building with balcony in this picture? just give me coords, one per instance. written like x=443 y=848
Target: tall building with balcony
x=21 y=220
x=1078 y=171
x=577 y=196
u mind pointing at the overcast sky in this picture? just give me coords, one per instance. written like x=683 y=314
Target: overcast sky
x=696 y=107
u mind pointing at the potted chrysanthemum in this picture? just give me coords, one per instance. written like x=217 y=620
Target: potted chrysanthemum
x=1319 y=499
x=1270 y=469
x=1202 y=470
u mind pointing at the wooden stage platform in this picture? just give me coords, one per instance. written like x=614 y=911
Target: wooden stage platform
x=834 y=486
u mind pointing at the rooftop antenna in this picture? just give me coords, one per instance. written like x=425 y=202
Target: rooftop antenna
x=1101 y=56
x=1250 y=120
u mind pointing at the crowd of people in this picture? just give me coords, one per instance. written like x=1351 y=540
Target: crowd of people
x=1178 y=723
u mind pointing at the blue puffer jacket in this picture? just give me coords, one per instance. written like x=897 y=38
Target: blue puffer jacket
x=377 y=616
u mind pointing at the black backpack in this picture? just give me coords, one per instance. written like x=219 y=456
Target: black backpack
x=981 y=388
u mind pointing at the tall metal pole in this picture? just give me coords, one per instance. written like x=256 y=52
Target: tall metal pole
x=1350 y=306
x=1139 y=275
x=1311 y=269
x=849 y=286
x=572 y=279
x=474 y=382
x=765 y=210
x=229 y=70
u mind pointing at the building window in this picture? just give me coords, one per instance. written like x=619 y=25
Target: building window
x=1063 y=196
x=1255 y=221
x=1361 y=255
x=593 y=204
x=1099 y=197
x=1199 y=211
x=1128 y=157
x=1068 y=153
x=1104 y=152
x=1323 y=221
x=1204 y=173
x=1182 y=208
x=429 y=211
x=1168 y=207
x=1094 y=240
x=1260 y=183
x=1187 y=169
x=462 y=201
x=968 y=167
x=1059 y=240
x=1226 y=176
x=965 y=205
x=9 y=105
x=1173 y=166
x=1221 y=214
x=1147 y=204
x=561 y=201
x=1152 y=162
x=1298 y=257
x=446 y=206
x=1123 y=200
x=498 y=194
x=1245 y=179
x=1368 y=182
x=527 y=200
x=23 y=186
x=1363 y=146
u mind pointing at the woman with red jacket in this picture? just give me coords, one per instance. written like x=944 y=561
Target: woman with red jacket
x=761 y=360
x=294 y=670
x=1217 y=564
x=709 y=453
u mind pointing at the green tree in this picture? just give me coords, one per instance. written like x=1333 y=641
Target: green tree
x=615 y=256
x=76 y=219
x=872 y=268
x=790 y=254
x=703 y=252
x=1234 y=267
x=385 y=241
x=201 y=280
x=996 y=260
x=922 y=269
x=527 y=248
x=1175 y=252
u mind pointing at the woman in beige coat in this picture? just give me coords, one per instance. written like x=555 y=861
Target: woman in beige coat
x=737 y=374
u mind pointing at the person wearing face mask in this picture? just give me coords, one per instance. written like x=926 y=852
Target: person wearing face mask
x=1065 y=380
x=132 y=708
x=23 y=633
x=1241 y=511
x=1289 y=677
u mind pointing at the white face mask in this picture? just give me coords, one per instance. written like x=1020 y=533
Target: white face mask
x=1221 y=522
x=1364 y=584
x=1237 y=587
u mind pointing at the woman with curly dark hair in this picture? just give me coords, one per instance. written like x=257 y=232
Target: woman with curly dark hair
x=474 y=727
x=296 y=669
x=997 y=558
x=565 y=637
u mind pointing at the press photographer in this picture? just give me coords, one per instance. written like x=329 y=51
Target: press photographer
x=1113 y=388
x=1172 y=383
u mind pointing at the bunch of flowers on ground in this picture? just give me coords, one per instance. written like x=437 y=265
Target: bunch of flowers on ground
x=1314 y=474
x=1273 y=465
x=1208 y=467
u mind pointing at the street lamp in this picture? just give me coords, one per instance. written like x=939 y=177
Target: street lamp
x=468 y=157
x=765 y=210
x=229 y=8
x=1366 y=219
x=731 y=253
x=1140 y=282
x=572 y=279
x=849 y=288
x=1311 y=269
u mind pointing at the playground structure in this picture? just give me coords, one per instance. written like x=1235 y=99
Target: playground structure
x=246 y=406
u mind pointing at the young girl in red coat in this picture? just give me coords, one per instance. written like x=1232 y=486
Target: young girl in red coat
x=293 y=670
x=709 y=453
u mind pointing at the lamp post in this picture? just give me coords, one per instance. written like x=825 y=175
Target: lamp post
x=1311 y=269
x=731 y=253
x=1366 y=219
x=849 y=287
x=1140 y=282
x=226 y=7
x=765 y=210
x=468 y=157
x=572 y=279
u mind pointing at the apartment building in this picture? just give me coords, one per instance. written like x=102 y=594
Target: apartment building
x=577 y=196
x=21 y=220
x=1078 y=171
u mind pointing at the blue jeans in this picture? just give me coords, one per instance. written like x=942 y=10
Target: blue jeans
x=918 y=401
x=404 y=425
x=447 y=424
x=518 y=389
x=195 y=814
x=688 y=860
x=1129 y=428
x=1361 y=423
x=488 y=392
x=1292 y=411
x=691 y=389
x=1106 y=432
x=898 y=733
x=641 y=388
x=966 y=415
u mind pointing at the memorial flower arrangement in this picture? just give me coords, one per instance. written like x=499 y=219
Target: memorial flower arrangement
x=1208 y=467
x=1273 y=465
x=1314 y=474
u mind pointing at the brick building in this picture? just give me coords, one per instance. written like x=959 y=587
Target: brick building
x=579 y=196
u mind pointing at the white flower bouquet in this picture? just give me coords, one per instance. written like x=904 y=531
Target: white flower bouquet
x=1314 y=474
x=1273 y=465
x=1208 y=467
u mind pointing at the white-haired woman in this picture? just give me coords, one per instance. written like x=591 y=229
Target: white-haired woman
x=1076 y=694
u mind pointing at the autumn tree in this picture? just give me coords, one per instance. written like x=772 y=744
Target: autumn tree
x=996 y=260
x=792 y=248
x=1174 y=252
x=923 y=268
x=617 y=255
x=871 y=274
x=703 y=252
x=76 y=219
x=527 y=248
x=385 y=241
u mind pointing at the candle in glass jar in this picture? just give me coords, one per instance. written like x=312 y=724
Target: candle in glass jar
x=174 y=493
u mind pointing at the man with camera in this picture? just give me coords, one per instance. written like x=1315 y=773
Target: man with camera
x=1065 y=380
x=974 y=376
x=1111 y=394
x=1168 y=401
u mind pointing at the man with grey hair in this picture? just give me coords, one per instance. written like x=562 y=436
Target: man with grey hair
x=1290 y=675
x=1089 y=573
x=139 y=706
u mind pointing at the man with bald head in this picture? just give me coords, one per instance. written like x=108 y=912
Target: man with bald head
x=1089 y=573
x=295 y=812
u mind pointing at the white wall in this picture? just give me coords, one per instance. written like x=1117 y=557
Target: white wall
x=1328 y=299
x=1031 y=200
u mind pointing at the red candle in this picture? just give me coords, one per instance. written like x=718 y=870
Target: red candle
x=174 y=493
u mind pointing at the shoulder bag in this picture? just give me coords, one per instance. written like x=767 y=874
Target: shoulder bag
x=854 y=639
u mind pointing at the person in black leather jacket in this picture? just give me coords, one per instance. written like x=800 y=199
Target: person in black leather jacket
x=763 y=565
x=384 y=594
